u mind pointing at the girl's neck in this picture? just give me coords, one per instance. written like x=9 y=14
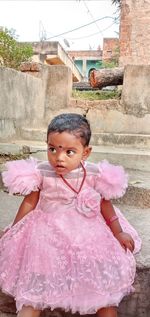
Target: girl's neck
x=77 y=191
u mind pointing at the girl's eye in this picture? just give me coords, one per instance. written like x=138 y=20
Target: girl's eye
x=52 y=149
x=70 y=152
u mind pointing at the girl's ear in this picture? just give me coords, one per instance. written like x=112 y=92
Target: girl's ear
x=86 y=152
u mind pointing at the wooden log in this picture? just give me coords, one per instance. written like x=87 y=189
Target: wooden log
x=106 y=77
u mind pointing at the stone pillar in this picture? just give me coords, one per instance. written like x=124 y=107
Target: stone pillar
x=84 y=68
x=56 y=83
x=57 y=90
x=135 y=97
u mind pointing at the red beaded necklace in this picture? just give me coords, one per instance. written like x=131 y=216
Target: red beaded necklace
x=70 y=186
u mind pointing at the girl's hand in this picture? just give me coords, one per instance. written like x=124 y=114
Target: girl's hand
x=125 y=240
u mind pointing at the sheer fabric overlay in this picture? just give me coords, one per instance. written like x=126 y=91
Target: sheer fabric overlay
x=62 y=254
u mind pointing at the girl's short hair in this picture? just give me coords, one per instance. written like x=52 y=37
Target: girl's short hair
x=73 y=123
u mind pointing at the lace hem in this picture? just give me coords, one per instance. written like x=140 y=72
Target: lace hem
x=83 y=304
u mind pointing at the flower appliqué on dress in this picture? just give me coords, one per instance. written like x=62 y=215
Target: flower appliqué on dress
x=88 y=202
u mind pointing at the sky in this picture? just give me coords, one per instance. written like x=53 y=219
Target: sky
x=76 y=24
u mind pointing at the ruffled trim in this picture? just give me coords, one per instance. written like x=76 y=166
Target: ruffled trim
x=112 y=180
x=87 y=303
x=22 y=176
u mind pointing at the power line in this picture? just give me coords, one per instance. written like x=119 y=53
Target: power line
x=57 y=35
x=88 y=10
x=86 y=36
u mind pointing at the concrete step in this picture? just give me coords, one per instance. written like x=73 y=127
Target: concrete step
x=121 y=139
x=137 y=304
x=109 y=139
x=138 y=191
x=19 y=147
x=133 y=158
x=33 y=134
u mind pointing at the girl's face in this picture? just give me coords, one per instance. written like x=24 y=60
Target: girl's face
x=65 y=152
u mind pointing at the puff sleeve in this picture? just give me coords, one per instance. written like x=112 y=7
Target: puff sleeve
x=112 y=181
x=22 y=176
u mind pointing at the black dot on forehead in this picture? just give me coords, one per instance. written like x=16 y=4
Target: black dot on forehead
x=60 y=146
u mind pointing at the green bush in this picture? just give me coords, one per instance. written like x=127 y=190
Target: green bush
x=13 y=53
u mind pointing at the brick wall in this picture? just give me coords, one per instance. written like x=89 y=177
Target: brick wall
x=110 y=48
x=85 y=54
x=135 y=32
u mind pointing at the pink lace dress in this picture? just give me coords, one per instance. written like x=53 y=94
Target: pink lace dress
x=63 y=254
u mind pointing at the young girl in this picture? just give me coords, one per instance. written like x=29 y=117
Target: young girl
x=68 y=247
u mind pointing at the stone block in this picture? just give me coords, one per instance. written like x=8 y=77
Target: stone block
x=135 y=97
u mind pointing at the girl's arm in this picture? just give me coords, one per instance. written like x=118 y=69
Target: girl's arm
x=29 y=203
x=111 y=219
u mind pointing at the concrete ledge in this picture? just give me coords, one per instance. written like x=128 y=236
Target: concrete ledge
x=107 y=139
x=22 y=147
x=121 y=139
x=33 y=134
x=131 y=158
x=137 y=159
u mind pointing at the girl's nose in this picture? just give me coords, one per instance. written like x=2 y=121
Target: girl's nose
x=60 y=157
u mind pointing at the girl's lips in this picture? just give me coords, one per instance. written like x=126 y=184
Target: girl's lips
x=60 y=166
x=60 y=169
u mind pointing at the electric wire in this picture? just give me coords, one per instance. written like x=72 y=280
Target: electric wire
x=90 y=35
x=88 y=10
x=79 y=27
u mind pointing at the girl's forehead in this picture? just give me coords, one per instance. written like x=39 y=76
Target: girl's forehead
x=64 y=139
